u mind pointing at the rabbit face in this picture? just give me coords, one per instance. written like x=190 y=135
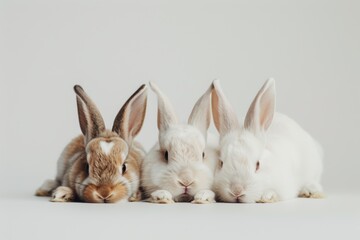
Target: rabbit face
x=108 y=174
x=182 y=159
x=238 y=176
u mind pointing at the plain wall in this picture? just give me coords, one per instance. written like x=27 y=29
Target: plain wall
x=311 y=48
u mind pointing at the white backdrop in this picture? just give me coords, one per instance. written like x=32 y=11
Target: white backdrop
x=311 y=48
x=109 y=47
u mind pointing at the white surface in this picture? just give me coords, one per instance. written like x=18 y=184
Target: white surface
x=111 y=47
x=336 y=217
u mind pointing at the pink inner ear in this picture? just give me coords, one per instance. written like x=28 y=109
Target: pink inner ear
x=129 y=119
x=224 y=117
x=261 y=111
x=266 y=112
x=215 y=110
x=267 y=106
x=201 y=112
x=166 y=114
x=135 y=118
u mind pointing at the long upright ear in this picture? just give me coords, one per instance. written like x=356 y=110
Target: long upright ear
x=129 y=120
x=90 y=119
x=201 y=114
x=224 y=116
x=261 y=111
x=166 y=115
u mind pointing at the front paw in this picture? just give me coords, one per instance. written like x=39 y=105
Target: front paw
x=135 y=197
x=204 y=196
x=311 y=191
x=62 y=194
x=161 y=196
x=268 y=197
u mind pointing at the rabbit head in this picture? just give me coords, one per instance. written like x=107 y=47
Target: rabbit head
x=106 y=176
x=239 y=175
x=179 y=161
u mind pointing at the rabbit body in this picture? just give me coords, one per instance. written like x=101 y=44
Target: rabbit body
x=269 y=158
x=180 y=167
x=101 y=166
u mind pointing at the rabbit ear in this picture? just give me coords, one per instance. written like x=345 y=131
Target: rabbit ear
x=166 y=114
x=261 y=111
x=201 y=113
x=129 y=120
x=224 y=116
x=90 y=119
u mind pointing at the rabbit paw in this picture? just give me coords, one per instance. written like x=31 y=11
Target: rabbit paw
x=161 y=196
x=63 y=194
x=311 y=191
x=46 y=188
x=204 y=196
x=268 y=197
x=135 y=197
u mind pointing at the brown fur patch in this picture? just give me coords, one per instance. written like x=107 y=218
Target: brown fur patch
x=105 y=167
x=104 y=193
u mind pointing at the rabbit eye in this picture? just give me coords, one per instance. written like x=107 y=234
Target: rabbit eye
x=166 y=156
x=257 y=165
x=123 y=168
x=221 y=163
x=203 y=155
x=87 y=168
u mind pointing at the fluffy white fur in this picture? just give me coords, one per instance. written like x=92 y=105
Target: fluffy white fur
x=185 y=171
x=290 y=160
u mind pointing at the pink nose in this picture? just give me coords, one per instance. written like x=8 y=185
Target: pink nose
x=185 y=183
x=237 y=190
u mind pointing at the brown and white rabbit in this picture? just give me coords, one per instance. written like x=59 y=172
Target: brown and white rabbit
x=101 y=166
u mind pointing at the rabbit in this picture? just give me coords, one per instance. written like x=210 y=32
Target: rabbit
x=268 y=159
x=180 y=167
x=101 y=166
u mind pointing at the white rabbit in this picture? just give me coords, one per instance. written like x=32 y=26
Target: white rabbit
x=180 y=167
x=270 y=158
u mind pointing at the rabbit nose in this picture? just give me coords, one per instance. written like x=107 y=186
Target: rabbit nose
x=104 y=193
x=237 y=190
x=185 y=183
x=185 y=178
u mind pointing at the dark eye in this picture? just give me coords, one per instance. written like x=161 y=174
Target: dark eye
x=203 y=155
x=221 y=163
x=123 y=168
x=87 y=168
x=257 y=165
x=166 y=156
